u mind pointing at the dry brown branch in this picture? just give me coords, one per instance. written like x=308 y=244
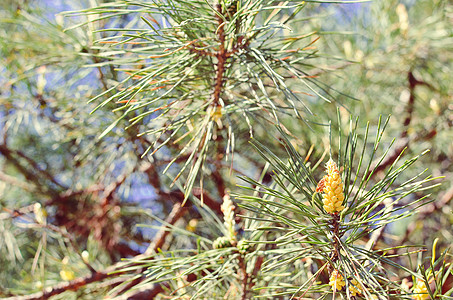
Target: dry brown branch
x=159 y=240
x=32 y=172
x=16 y=182
x=72 y=285
x=245 y=278
x=404 y=142
x=176 y=213
x=427 y=210
x=145 y=293
x=75 y=284
x=221 y=59
x=11 y=214
x=61 y=231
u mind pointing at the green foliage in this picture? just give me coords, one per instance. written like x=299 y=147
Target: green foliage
x=203 y=69
x=176 y=149
x=305 y=230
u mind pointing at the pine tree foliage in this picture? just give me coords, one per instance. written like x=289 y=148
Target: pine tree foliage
x=229 y=149
x=197 y=77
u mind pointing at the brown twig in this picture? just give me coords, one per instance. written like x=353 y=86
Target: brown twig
x=219 y=182
x=72 y=285
x=16 y=182
x=12 y=156
x=410 y=104
x=245 y=277
x=221 y=59
x=54 y=110
x=178 y=196
x=223 y=54
x=176 y=213
x=152 y=174
x=427 y=210
x=403 y=144
x=146 y=293
x=334 y=224
x=200 y=52
x=75 y=284
x=22 y=213
x=404 y=141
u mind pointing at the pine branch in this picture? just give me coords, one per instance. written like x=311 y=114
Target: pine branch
x=403 y=141
x=176 y=213
x=427 y=211
x=221 y=58
x=72 y=285
x=16 y=182
x=178 y=196
x=22 y=214
x=245 y=278
x=97 y=276
x=34 y=176
x=146 y=293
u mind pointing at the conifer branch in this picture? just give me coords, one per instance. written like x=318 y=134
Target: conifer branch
x=404 y=141
x=13 y=156
x=179 y=87
x=176 y=213
x=96 y=276
x=221 y=59
x=72 y=285
x=428 y=210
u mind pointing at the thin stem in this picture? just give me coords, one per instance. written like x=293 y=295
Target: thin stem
x=221 y=59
